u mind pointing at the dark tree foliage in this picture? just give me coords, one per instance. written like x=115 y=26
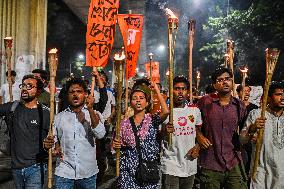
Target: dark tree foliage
x=254 y=29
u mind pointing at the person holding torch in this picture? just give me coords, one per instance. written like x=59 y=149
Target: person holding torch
x=222 y=114
x=76 y=129
x=270 y=171
x=28 y=125
x=138 y=144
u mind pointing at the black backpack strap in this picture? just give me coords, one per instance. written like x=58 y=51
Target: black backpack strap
x=9 y=120
x=40 y=113
x=11 y=113
x=137 y=140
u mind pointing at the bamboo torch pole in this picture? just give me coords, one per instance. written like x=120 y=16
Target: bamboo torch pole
x=198 y=77
x=271 y=61
x=126 y=80
x=150 y=55
x=230 y=53
x=8 y=41
x=52 y=70
x=191 y=31
x=244 y=76
x=118 y=62
x=172 y=28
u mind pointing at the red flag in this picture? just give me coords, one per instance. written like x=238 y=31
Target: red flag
x=131 y=26
x=155 y=71
x=100 y=31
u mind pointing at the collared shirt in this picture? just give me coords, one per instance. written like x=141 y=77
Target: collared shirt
x=219 y=125
x=270 y=171
x=78 y=145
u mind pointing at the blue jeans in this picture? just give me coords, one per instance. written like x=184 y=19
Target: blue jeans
x=30 y=177
x=65 y=183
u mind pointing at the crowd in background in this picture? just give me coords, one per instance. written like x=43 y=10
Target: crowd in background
x=208 y=144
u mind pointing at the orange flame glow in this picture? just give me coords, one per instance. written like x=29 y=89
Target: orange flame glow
x=53 y=51
x=170 y=13
x=198 y=75
x=245 y=70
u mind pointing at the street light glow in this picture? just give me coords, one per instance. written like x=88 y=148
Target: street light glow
x=161 y=48
x=81 y=56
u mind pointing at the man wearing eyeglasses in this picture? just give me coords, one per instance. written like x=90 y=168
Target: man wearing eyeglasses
x=220 y=157
x=28 y=126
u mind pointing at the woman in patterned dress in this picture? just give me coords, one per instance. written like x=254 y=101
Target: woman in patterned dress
x=148 y=127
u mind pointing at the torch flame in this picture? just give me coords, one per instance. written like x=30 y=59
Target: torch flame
x=198 y=75
x=245 y=70
x=118 y=57
x=8 y=38
x=53 y=51
x=170 y=13
x=167 y=73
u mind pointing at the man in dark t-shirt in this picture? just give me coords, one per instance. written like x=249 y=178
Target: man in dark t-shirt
x=28 y=127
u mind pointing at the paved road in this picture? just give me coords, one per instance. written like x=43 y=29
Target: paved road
x=5 y=173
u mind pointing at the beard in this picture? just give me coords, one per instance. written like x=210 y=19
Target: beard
x=28 y=98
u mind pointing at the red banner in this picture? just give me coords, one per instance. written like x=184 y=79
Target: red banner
x=100 y=31
x=155 y=71
x=131 y=26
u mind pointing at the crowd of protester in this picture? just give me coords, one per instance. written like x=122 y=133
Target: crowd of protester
x=207 y=144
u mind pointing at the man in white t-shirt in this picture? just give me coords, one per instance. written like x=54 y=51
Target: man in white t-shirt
x=178 y=163
x=16 y=91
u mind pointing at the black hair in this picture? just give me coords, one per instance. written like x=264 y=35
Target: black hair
x=77 y=81
x=220 y=71
x=146 y=90
x=181 y=79
x=101 y=72
x=39 y=83
x=275 y=85
x=240 y=88
x=209 y=89
x=143 y=81
x=13 y=73
x=160 y=85
x=43 y=73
